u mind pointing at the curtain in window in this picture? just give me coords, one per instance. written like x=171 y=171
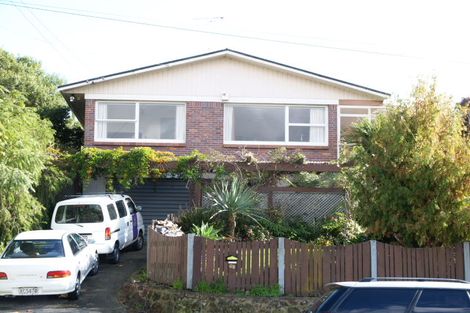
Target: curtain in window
x=317 y=133
x=101 y=126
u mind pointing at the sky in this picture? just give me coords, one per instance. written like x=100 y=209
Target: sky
x=385 y=45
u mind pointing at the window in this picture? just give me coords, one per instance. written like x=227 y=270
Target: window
x=73 y=245
x=21 y=249
x=121 y=208
x=377 y=300
x=140 y=122
x=352 y=115
x=79 y=213
x=439 y=299
x=80 y=241
x=131 y=206
x=276 y=124
x=112 y=212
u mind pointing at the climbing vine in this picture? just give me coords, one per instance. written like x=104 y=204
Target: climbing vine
x=128 y=168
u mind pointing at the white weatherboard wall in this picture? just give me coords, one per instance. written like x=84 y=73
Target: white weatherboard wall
x=209 y=79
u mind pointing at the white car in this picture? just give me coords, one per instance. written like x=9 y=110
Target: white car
x=112 y=221
x=46 y=262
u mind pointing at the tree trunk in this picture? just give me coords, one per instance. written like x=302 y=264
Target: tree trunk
x=232 y=224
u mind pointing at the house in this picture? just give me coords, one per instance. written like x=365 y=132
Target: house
x=223 y=100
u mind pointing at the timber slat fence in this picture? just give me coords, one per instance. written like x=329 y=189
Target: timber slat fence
x=300 y=269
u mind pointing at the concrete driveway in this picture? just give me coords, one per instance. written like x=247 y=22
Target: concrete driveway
x=99 y=293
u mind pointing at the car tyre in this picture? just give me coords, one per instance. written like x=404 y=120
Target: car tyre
x=115 y=255
x=96 y=266
x=75 y=294
x=139 y=243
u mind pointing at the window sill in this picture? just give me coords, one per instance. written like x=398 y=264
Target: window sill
x=271 y=146
x=140 y=144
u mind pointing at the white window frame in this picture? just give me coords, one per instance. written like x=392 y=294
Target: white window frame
x=180 y=122
x=228 y=121
x=367 y=115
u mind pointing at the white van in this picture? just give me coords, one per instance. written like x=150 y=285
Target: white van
x=112 y=222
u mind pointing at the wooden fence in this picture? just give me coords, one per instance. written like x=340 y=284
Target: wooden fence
x=300 y=269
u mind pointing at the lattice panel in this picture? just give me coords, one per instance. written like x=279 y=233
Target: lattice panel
x=310 y=206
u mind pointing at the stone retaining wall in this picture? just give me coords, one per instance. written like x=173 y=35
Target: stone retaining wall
x=148 y=297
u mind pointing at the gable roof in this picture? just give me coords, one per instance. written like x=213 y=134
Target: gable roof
x=224 y=52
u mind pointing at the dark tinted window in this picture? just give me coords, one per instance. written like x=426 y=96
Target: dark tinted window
x=377 y=300
x=79 y=213
x=112 y=212
x=73 y=245
x=330 y=300
x=435 y=298
x=80 y=241
x=121 y=208
x=130 y=205
x=23 y=249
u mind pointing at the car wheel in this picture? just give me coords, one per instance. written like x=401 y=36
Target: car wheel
x=96 y=267
x=139 y=243
x=115 y=255
x=75 y=294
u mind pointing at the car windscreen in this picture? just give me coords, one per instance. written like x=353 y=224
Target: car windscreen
x=377 y=300
x=24 y=249
x=79 y=213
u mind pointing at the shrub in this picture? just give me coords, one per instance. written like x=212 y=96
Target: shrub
x=340 y=229
x=207 y=231
x=194 y=216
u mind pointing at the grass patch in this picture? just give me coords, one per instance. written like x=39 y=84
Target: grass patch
x=214 y=287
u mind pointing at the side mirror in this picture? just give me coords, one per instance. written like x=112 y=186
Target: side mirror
x=138 y=208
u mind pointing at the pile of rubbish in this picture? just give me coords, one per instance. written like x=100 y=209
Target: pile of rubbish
x=167 y=228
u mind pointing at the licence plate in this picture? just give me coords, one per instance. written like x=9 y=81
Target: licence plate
x=28 y=291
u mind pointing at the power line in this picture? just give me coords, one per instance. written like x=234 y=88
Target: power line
x=178 y=28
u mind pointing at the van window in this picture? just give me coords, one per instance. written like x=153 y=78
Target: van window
x=112 y=212
x=79 y=213
x=131 y=205
x=121 y=208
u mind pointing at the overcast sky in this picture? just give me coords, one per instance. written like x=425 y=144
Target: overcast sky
x=386 y=45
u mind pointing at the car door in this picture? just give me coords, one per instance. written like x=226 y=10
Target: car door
x=125 y=227
x=84 y=254
x=134 y=232
x=82 y=263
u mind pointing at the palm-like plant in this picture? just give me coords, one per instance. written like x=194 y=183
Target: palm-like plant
x=232 y=198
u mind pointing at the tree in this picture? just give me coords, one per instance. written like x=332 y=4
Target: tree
x=39 y=89
x=465 y=107
x=233 y=198
x=410 y=174
x=24 y=140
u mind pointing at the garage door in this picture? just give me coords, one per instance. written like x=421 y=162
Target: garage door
x=158 y=198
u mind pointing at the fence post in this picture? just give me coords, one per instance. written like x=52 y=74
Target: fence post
x=190 y=262
x=149 y=229
x=281 y=259
x=373 y=258
x=466 y=260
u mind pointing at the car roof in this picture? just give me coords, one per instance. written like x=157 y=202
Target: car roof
x=41 y=234
x=93 y=199
x=405 y=284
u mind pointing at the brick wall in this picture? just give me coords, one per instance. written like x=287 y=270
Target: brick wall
x=204 y=132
